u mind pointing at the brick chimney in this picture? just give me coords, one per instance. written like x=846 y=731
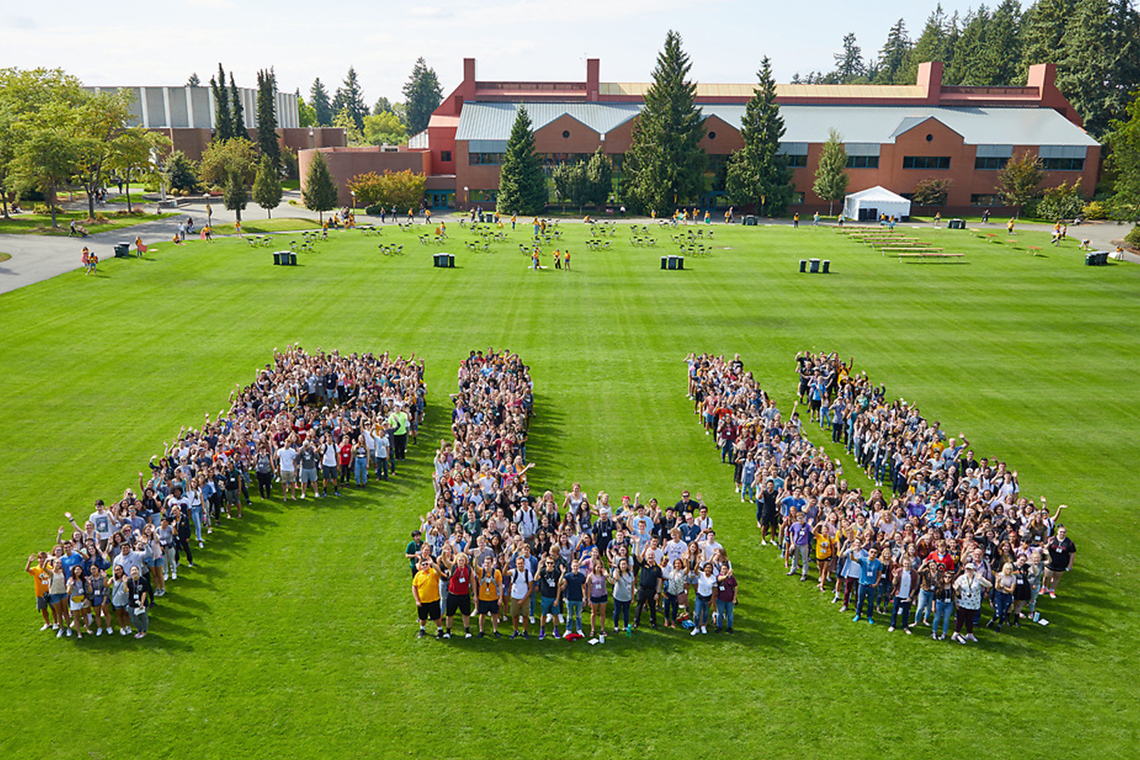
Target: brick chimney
x=593 y=67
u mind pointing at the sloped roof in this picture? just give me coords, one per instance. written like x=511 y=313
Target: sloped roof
x=877 y=193
x=807 y=123
x=493 y=121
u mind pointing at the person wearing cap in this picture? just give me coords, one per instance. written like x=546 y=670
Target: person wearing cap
x=970 y=587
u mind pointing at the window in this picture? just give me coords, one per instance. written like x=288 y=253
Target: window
x=796 y=162
x=565 y=133
x=797 y=199
x=986 y=199
x=712 y=135
x=1063 y=164
x=862 y=162
x=990 y=163
x=445 y=155
x=486 y=159
x=926 y=162
x=484 y=196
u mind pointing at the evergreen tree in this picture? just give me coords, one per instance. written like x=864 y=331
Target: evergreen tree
x=522 y=183
x=267 y=117
x=350 y=98
x=831 y=176
x=319 y=99
x=1042 y=30
x=267 y=186
x=233 y=196
x=194 y=81
x=849 y=63
x=966 y=65
x=1001 y=52
x=383 y=105
x=758 y=173
x=1124 y=161
x=571 y=182
x=893 y=56
x=320 y=193
x=422 y=95
x=223 y=121
x=1100 y=61
x=239 y=128
x=665 y=162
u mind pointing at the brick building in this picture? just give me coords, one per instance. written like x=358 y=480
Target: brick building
x=895 y=135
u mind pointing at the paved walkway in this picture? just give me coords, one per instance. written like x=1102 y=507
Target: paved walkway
x=36 y=258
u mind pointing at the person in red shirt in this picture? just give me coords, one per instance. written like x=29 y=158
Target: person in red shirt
x=344 y=458
x=459 y=594
x=942 y=556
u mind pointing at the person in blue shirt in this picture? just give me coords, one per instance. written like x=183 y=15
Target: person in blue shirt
x=870 y=570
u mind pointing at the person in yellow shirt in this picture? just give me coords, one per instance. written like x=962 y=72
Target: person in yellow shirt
x=425 y=590
x=825 y=544
x=557 y=259
x=40 y=578
x=488 y=591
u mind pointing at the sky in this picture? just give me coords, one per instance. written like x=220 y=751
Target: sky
x=121 y=42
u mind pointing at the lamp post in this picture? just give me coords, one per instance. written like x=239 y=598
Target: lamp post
x=311 y=133
x=467 y=197
x=353 y=193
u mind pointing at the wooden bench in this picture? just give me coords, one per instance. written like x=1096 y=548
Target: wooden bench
x=912 y=249
x=923 y=255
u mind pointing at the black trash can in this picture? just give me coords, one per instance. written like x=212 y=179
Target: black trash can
x=290 y=258
x=827 y=266
x=122 y=250
x=664 y=262
x=450 y=260
x=277 y=258
x=814 y=266
x=803 y=266
x=680 y=262
x=957 y=224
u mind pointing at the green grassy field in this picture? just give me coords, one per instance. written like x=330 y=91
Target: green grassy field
x=40 y=224
x=294 y=637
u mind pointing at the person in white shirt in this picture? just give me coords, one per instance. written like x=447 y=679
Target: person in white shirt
x=287 y=461
x=709 y=546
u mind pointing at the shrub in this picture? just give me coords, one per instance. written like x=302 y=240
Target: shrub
x=1094 y=210
x=1061 y=202
x=1133 y=238
x=931 y=192
x=375 y=210
x=43 y=208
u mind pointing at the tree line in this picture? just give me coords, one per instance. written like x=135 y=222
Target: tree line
x=386 y=122
x=1094 y=43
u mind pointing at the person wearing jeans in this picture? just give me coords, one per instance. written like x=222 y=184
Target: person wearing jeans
x=904 y=583
x=725 y=599
x=706 y=587
x=360 y=462
x=674 y=587
x=622 y=578
x=800 y=533
x=870 y=569
x=927 y=579
x=943 y=604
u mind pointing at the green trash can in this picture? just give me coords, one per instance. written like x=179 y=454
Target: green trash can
x=122 y=250
x=664 y=262
x=277 y=258
x=291 y=258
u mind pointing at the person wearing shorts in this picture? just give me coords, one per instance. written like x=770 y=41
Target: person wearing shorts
x=40 y=577
x=490 y=587
x=549 y=588
x=425 y=591
x=78 y=599
x=596 y=584
x=329 y=467
x=522 y=584
x=572 y=585
x=309 y=462
x=287 y=466
x=459 y=594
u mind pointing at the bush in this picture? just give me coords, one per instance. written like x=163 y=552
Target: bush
x=1094 y=210
x=1133 y=238
x=375 y=210
x=1061 y=202
x=43 y=208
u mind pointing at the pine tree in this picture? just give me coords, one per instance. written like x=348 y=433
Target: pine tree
x=665 y=162
x=194 y=81
x=239 y=128
x=267 y=117
x=223 y=121
x=893 y=55
x=319 y=99
x=1001 y=51
x=1042 y=30
x=966 y=65
x=1100 y=61
x=931 y=45
x=350 y=97
x=522 y=183
x=320 y=193
x=831 y=176
x=1124 y=161
x=849 y=63
x=758 y=173
x=422 y=95
x=267 y=186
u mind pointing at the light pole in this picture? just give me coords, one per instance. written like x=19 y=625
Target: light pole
x=311 y=137
x=467 y=197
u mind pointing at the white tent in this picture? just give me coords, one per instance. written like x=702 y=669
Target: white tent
x=874 y=202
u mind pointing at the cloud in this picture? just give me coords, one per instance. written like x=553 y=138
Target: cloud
x=22 y=22
x=212 y=4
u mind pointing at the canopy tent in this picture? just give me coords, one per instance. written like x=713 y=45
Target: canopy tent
x=870 y=204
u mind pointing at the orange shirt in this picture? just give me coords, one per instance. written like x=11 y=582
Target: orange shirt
x=40 y=577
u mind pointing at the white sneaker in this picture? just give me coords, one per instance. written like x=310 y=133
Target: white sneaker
x=704 y=629
x=302 y=497
x=763 y=542
x=467 y=635
x=532 y=619
x=970 y=637
x=59 y=633
x=98 y=631
x=69 y=632
x=174 y=575
x=55 y=626
x=561 y=619
x=45 y=626
x=201 y=545
x=127 y=631
x=548 y=617
x=695 y=631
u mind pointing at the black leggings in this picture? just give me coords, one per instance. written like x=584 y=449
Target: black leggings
x=646 y=598
x=265 y=484
x=184 y=546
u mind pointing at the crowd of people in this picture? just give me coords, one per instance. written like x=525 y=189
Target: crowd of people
x=526 y=558
x=314 y=422
x=946 y=535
